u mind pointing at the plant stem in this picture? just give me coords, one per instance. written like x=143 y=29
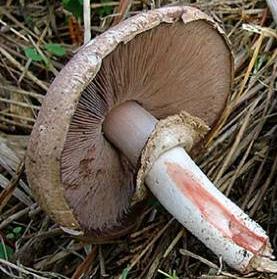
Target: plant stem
x=87 y=33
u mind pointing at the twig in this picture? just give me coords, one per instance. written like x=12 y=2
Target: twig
x=45 y=59
x=237 y=141
x=20 y=269
x=17 y=116
x=18 y=23
x=124 y=7
x=174 y=242
x=14 y=31
x=14 y=123
x=14 y=217
x=137 y=259
x=25 y=105
x=102 y=262
x=250 y=66
x=85 y=266
x=272 y=4
x=14 y=89
x=7 y=193
x=264 y=188
x=185 y=252
x=19 y=194
x=21 y=68
x=72 y=248
x=87 y=21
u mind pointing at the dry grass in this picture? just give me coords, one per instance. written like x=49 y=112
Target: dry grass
x=241 y=155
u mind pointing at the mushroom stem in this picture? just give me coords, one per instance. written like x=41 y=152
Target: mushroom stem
x=128 y=127
x=186 y=192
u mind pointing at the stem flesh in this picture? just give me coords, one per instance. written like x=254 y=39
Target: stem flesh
x=185 y=191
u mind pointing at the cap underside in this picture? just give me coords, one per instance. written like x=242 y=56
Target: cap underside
x=170 y=68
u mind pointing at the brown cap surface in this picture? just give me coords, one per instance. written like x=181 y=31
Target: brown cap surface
x=168 y=60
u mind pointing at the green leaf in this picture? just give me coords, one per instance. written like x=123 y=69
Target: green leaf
x=17 y=230
x=124 y=274
x=5 y=251
x=32 y=53
x=74 y=6
x=55 y=49
x=105 y=10
x=10 y=236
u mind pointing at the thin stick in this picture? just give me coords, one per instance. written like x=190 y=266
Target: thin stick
x=3 y=119
x=25 y=105
x=174 y=242
x=264 y=188
x=13 y=89
x=45 y=59
x=87 y=33
x=185 y=252
x=7 y=193
x=15 y=216
x=236 y=143
x=14 y=31
x=272 y=4
x=22 y=69
x=86 y=265
x=22 y=269
x=17 y=116
x=102 y=262
x=137 y=259
x=250 y=66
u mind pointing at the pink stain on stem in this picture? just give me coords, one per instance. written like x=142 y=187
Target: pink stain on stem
x=215 y=212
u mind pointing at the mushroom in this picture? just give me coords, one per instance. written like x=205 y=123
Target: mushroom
x=98 y=139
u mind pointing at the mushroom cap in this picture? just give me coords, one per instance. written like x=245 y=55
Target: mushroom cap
x=168 y=60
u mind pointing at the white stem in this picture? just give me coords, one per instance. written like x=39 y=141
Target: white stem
x=185 y=191
x=86 y=12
